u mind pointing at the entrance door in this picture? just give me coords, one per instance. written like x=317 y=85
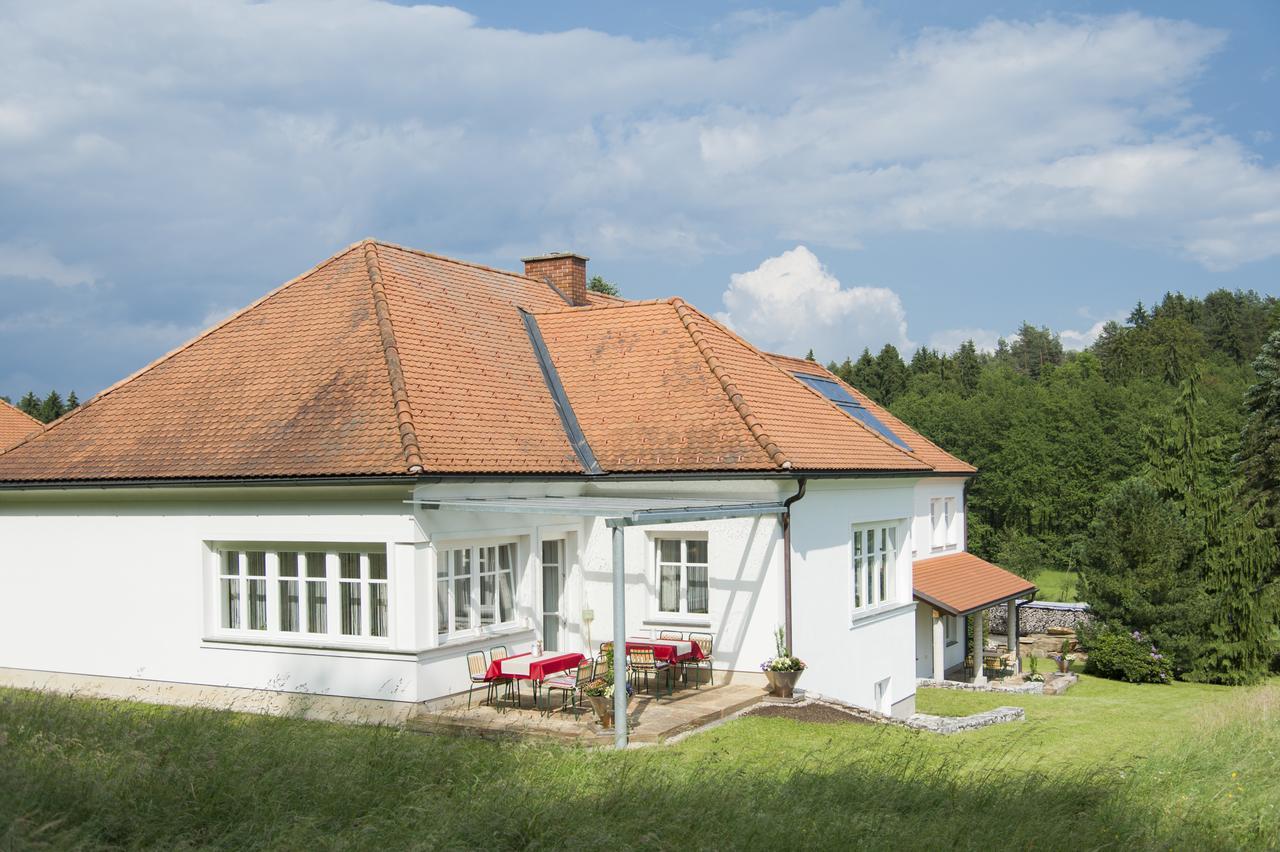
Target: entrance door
x=552 y=593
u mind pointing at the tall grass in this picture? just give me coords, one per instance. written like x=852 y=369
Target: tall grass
x=97 y=774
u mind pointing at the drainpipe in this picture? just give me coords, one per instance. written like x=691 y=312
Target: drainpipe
x=786 y=559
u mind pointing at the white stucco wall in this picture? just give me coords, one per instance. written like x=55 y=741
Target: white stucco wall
x=116 y=585
x=119 y=583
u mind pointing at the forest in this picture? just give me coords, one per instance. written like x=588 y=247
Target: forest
x=1147 y=463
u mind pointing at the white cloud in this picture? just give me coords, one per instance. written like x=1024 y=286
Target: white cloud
x=196 y=154
x=37 y=263
x=791 y=303
x=949 y=340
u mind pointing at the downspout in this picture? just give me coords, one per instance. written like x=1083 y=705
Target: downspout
x=786 y=558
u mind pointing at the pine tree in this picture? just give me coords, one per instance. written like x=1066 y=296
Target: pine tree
x=72 y=401
x=810 y=357
x=30 y=404
x=968 y=367
x=1259 y=458
x=52 y=408
x=1238 y=566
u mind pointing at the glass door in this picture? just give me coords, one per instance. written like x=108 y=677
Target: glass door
x=552 y=593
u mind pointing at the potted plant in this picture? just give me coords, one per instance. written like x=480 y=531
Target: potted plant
x=1033 y=670
x=599 y=693
x=783 y=669
x=1063 y=658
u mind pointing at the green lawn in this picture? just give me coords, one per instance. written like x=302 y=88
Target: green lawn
x=1060 y=586
x=1119 y=766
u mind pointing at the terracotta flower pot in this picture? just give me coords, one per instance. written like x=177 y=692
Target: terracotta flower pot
x=783 y=684
x=603 y=708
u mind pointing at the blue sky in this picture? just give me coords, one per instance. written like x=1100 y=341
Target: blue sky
x=834 y=176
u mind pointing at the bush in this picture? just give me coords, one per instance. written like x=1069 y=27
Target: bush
x=1120 y=655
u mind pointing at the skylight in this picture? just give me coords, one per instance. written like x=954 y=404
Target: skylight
x=846 y=402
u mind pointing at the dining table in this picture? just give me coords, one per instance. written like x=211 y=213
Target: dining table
x=531 y=667
x=672 y=651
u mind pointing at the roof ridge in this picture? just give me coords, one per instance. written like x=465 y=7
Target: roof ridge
x=399 y=392
x=568 y=310
x=754 y=426
x=487 y=268
x=102 y=394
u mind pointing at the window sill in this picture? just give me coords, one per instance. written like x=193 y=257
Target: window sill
x=863 y=617
x=477 y=640
x=287 y=647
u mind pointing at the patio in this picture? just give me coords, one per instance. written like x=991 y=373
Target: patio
x=649 y=720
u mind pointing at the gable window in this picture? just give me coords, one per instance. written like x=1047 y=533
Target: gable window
x=287 y=593
x=944 y=529
x=475 y=588
x=875 y=553
x=682 y=578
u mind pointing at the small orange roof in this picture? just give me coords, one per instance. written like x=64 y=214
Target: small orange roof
x=385 y=360
x=15 y=425
x=961 y=583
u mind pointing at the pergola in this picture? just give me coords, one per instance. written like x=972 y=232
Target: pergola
x=619 y=513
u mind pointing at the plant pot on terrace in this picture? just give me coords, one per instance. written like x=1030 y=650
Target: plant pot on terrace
x=603 y=707
x=782 y=670
x=782 y=684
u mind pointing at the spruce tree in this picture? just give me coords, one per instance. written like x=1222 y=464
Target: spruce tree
x=1259 y=458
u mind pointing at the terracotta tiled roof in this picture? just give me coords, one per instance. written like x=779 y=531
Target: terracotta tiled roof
x=921 y=447
x=385 y=360
x=14 y=425
x=960 y=583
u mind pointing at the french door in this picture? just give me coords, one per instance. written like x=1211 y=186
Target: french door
x=553 y=571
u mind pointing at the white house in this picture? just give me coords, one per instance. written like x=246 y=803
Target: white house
x=397 y=458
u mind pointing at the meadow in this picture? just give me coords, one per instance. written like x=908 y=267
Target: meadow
x=1106 y=766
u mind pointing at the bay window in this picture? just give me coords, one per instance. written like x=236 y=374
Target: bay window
x=682 y=576
x=875 y=553
x=273 y=592
x=475 y=588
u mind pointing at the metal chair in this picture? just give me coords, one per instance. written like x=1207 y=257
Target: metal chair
x=704 y=642
x=642 y=661
x=499 y=652
x=670 y=635
x=476 y=667
x=571 y=685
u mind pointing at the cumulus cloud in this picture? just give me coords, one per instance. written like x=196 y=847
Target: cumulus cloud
x=198 y=153
x=791 y=303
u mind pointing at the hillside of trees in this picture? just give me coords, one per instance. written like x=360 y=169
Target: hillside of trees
x=1147 y=462
x=46 y=409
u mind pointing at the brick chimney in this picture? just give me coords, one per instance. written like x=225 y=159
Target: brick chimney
x=566 y=270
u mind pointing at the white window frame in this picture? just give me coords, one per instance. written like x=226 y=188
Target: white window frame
x=321 y=575
x=477 y=555
x=951 y=631
x=873 y=568
x=943 y=526
x=682 y=565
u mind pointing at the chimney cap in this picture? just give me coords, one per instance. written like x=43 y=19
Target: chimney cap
x=554 y=255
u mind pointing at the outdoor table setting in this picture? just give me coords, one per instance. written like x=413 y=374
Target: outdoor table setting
x=672 y=651
x=531 y=667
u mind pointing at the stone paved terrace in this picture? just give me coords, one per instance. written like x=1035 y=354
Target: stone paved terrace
x=650 y=721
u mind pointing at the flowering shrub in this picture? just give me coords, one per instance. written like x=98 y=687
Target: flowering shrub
x=784 y=661
x=602 y=685
x=1119 y=655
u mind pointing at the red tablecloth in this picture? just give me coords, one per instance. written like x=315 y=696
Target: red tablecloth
x=548 y=664
x=665 y=651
